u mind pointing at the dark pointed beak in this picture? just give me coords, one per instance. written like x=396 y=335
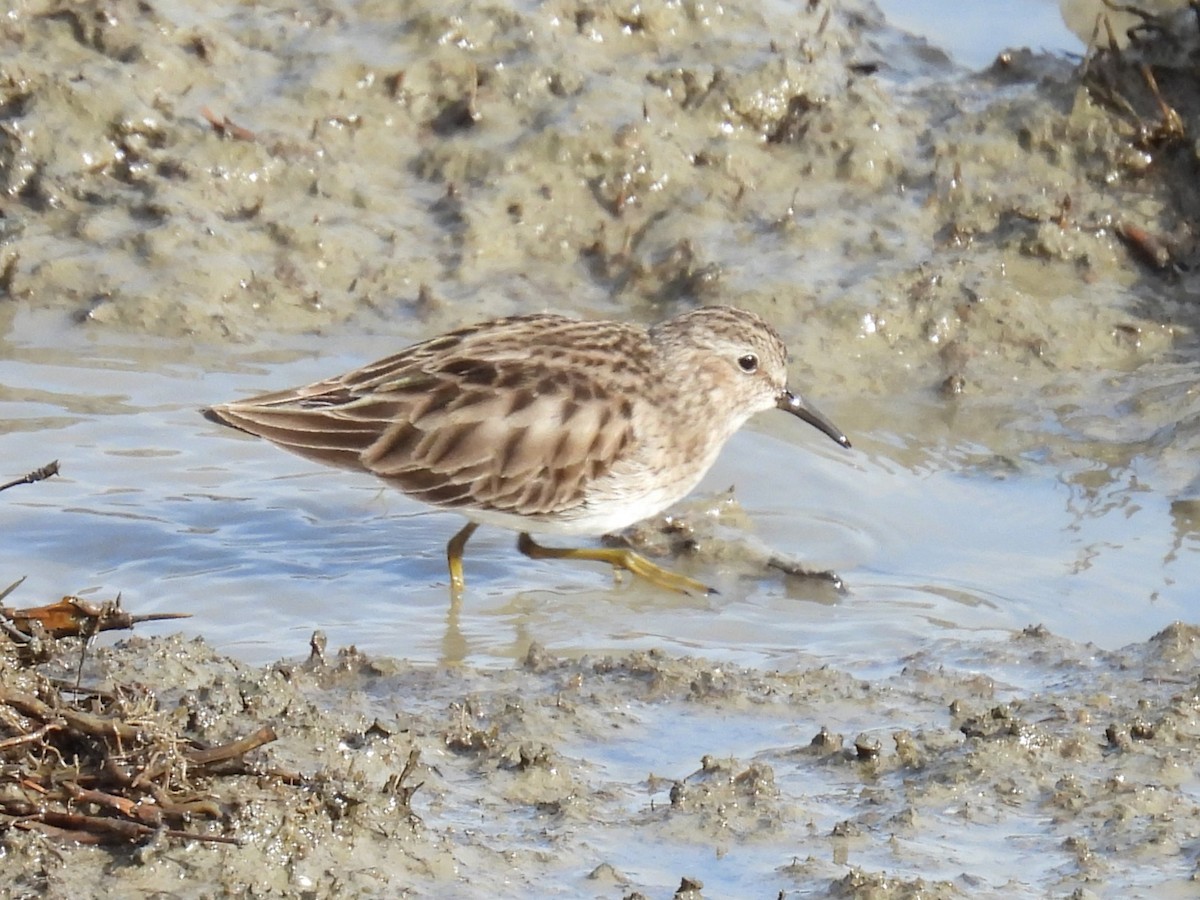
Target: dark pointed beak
x=796 y=405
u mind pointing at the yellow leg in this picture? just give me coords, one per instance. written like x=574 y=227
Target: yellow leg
x=454 y=553
x=619 y=559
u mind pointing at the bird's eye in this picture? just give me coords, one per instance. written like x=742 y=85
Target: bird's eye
x=748 y=363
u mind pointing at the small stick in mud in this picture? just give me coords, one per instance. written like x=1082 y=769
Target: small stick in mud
x=226 y=127
x=232 y=750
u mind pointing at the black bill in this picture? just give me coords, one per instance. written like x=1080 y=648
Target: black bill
x=796 y=405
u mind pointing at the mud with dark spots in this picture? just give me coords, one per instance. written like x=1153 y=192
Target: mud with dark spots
x=617 y=775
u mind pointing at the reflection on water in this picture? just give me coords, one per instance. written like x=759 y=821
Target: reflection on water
x=938 y=535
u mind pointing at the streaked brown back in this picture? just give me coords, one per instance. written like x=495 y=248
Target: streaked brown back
x=474 y=418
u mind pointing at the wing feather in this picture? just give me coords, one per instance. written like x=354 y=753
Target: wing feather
x=497 y=417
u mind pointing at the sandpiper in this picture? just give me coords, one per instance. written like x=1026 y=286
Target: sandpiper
x=543 y=423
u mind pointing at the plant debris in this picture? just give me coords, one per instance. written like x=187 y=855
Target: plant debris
x=39 y=474
x=99 y=766
x=115 y=775
x=73 y=617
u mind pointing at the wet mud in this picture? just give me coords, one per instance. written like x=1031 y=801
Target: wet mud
x=617 y=776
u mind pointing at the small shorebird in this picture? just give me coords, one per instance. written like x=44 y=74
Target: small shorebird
x=543 y=423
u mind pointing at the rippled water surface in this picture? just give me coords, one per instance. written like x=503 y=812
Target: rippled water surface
x=175 y=514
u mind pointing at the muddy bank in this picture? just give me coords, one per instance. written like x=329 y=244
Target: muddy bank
x=634 y=775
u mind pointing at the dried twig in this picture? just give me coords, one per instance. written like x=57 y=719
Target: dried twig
x=75 y=617
x=237 y=748
x=103 y=830
x=12 y=587
x=226 y=127
x=41 y=474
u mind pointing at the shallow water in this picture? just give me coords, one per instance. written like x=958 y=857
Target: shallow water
x=974 y=34
x=261 y=548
